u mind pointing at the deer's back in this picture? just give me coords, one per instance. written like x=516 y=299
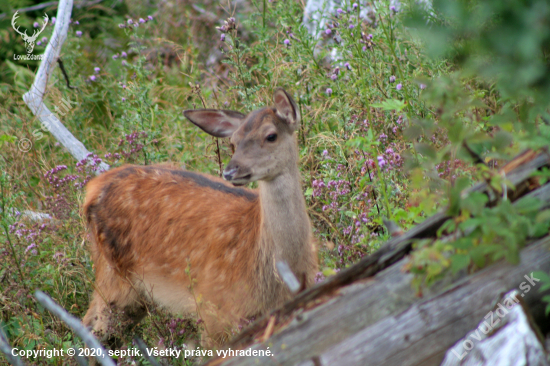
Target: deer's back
x=152 y=223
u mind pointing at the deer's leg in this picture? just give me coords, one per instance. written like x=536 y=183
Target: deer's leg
x=113 y=294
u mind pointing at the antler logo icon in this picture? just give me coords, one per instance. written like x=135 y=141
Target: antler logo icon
x=29 y=40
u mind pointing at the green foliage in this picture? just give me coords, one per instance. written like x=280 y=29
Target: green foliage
x=544 y=286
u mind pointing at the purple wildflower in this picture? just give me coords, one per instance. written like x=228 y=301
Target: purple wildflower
x=44 y=40
x=222 y=37
x=399 y=86
x=53 y=20
x=141 y=20
x=339 y=11
x=351 y=26
x=328 y=91
x=287 y=42
x=123 y=99
x=36 y=25
x=92 y=78
x=96 y=70
x=347 y=66
x=422 y=86
x=334 y=77
x=123 y=54
x=39 y=43
x=78 y=33
x=76 y=23
x=392 y=79
x=130 y=21
x=319 y=277
x=149 y=17
x=328 y=31
x=30 y=247
x=115 y=57
x=122 y=25
x=393 y=9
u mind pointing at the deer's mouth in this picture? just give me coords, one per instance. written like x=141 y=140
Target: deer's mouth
x=241 y=181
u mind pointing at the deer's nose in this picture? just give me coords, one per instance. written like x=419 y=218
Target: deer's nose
x=230 y=174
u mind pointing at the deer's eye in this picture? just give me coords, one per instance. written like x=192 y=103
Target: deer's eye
x=272 y=137
x=232 y=148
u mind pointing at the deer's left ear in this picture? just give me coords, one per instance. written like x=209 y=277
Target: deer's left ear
x=287 y=108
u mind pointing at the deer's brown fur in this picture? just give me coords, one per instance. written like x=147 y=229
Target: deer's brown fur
x=184 y=239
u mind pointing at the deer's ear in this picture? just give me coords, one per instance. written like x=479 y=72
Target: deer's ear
x=215 y=122
x=286 y=108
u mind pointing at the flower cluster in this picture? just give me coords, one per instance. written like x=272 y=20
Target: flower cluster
x=33 y=235
x=389 y=159
x=87 y=167
x=228 y=25
x=132 y=23
x=366 y=39
x=133 y=145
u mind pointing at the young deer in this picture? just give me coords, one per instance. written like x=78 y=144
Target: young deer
x=196 y=244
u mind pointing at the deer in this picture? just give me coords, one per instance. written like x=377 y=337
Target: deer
x=196 y=244
x=29 y=40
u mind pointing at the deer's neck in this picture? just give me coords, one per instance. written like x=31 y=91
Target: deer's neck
x=285 y=232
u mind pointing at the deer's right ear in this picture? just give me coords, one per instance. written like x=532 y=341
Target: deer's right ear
x=215 y=122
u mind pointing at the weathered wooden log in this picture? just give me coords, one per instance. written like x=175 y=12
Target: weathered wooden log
x=380 y=321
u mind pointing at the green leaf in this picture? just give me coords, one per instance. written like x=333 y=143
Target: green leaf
x=463 y=243
x=459 y=261
x=474 y=202
x=390 y=105
x=543 y=216
x=478 y=256
x=426 y=150
x=502 y=140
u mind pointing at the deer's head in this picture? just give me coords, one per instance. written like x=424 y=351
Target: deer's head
x=29 y=40
x=263 y=140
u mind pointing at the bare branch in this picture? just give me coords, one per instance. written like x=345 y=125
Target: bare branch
x=64 y=72
x=6 y=349
x=81 y=361
x=75 y=325
x=143 y=348
x=35 y=96
x=288 y=276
